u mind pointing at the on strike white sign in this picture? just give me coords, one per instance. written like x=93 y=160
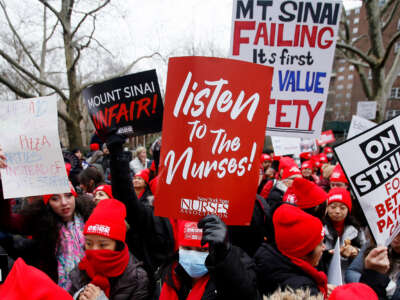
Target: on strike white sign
x=29 y=138
x=366 y=109
x=298 y=39
x=371 y=162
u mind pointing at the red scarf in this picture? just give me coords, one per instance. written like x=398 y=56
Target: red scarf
x=103 y=264
x=197 y=291
x=339 y=227
x=319 y=277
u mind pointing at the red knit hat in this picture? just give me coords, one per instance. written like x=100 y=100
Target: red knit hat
x=307 y=165
x=265 y=156
x=285 y=162
x=340 y=195
x=94 y=147
x=144 y=174
x=290 y=171
x=323 y=159
x=354 y=291
x=338 y=175
x=328 y=150
x=68 y=168
x=107 y=219
x=27 y=282
x=305 y=155
x=308 y=194
x=46 y=198
x=189 y=234
x=106 y=188
x=296 y=232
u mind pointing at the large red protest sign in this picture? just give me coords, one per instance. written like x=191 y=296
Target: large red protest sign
x=213 y=133
x=326 y=138
x=371 y=162
x=298 y=39
x=132 y=104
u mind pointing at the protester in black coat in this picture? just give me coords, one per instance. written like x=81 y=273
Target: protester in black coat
x=299 y=247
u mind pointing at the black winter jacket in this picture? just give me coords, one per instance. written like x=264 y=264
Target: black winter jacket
x=133 y=284
x=274 y=270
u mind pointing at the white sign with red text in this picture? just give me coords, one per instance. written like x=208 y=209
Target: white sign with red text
x=371 y=162
x=298 y=39
x=29 y=138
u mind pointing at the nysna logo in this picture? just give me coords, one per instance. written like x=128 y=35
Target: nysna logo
x=335 y=175
x=205 y=206
x=99 y=229
x=192 y=232
x=335 y=197
x=294 y=169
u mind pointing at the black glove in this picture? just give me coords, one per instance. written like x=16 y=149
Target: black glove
x=115 y=141
x=215 y=233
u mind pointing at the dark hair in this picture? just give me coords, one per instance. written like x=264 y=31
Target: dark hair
x=91 y=173
x=317 y=211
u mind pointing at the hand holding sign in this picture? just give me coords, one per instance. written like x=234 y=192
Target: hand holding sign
x=378 y=260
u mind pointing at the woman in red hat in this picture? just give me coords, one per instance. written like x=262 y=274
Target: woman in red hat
x=292 y=261
x=141 y=185
x=56 y=226
x=108 y=267
x=340 y=224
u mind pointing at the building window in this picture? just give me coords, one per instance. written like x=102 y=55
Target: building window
x=341 y=69
x=338 y=96
x=357 y=11
x=396 y=47
x=355 y=29
x=356 y=20
x=392 y=113
x=350 y=77
x=341 y=77
x=369 y=74
x=342 y=61
x=349 y=86
x=395 y=93
x=353 y=39
x=340 y=87
x=351 y=68
x=348 y=95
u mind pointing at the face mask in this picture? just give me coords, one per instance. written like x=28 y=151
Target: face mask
x=193 y=262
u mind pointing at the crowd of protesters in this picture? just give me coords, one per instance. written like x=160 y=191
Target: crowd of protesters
x=102 y=240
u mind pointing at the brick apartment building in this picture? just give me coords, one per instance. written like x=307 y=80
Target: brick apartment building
x=345 y=87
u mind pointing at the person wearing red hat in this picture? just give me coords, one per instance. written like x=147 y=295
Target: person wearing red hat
x=267 y=173
x=141 y=185
x=329 y=153
x=308 y=172
x=102 y=192
x=340 y=224
x=108 y=266
x=338 y=179
x=292 y=261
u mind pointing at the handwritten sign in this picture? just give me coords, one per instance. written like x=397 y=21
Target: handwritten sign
x=213 y=134
x=285 y=145
x=371 y=162
x=132 y=104
x=366 y=109
x=298 y=38
x=29 y=138
x=358 y=125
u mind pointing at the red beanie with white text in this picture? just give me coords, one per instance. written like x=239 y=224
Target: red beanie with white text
x=338 y=175
x=341 y=195
x=107 y=219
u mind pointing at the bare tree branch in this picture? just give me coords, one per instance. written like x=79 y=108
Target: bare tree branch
x=14 y=88
x=124 y=71
x=393 y=73
x=52 y=31
x=386 y=6
x=356 y=51
x=389 y=48
x=390 y=18
x=65 y=117
x=18 y=37
x=56 y=13
x=38 y=80
x=89 y=14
